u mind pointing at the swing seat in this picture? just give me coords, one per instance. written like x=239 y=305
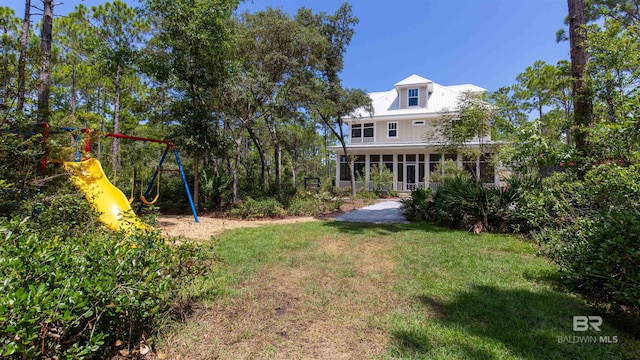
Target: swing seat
x=155 y=199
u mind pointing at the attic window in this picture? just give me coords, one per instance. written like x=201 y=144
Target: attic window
x=413 y=97
x=418 y=122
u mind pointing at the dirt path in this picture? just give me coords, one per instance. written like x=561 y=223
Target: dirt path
x=183 y=225
x=329 y=301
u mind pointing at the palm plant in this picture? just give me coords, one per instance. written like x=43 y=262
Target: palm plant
x=463 y=202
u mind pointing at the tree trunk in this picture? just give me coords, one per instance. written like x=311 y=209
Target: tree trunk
x=263 y=160
x=73 y=88
x=352 y=170
x=327 y=155
x=5 y=69
x=115 y=142
x=352 y=174
x=236 y=163
x=23 y=54
x=294 y=171
x=583 y=107
x=45 y=61
x=277 y=152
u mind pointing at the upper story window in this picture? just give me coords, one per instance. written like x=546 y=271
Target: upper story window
x=392 y=129
x=413 y=97
x=368 y=130
x=362 y=132
x=356 y=131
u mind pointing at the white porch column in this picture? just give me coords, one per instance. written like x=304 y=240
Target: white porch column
x=395 y=172
x=427 y=171
x=417 y=171
x=366 y=171
x=338 y=163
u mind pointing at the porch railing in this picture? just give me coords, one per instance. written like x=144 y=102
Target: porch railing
x=400 y=185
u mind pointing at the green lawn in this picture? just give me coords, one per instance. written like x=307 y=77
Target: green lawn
x=339 y=290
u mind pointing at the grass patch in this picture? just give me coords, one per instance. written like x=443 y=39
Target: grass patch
x=340 y=290
x=488 y=297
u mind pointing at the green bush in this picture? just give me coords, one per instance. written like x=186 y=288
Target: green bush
x=463 y=202
x=367 y=196
x=216 y=192
x=382 y=179
x=447 y=169
x=76 y=296
x=252 y=209
x=312 y=205
x=591 y=229
x=420 y=206
x=49 y=212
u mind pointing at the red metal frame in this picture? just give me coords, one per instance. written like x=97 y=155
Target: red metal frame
x=137 y=138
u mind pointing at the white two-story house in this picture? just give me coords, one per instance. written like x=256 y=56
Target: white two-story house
x=395 y=136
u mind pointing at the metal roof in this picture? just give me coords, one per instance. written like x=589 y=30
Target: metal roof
x=443 y=99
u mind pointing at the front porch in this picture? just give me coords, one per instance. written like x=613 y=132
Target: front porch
x=399 y=186
x=410 y=170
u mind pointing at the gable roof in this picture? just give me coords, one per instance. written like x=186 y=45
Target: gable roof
x=413 y=80
x=443 y=99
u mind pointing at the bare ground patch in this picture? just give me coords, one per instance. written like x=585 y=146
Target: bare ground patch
x=184 y=225
x=208 y=226
x=331 y=302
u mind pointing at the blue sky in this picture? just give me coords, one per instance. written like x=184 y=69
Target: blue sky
x=482 y=42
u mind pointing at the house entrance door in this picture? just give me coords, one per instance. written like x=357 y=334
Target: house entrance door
x=411 y=177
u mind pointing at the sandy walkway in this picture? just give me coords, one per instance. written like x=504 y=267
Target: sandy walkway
x=183 y=225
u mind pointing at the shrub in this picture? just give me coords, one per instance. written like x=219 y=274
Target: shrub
x=420 y=206
x=447 y=169
x=216 y=191
x=366 y=196
x=311 y=205
x=75 y=297
x=591 y=229
x=327 y=184
x=462 y=202
x=301 y=206
x=251 y=209
x=382 y=179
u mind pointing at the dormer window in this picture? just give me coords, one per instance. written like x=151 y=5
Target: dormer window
x=413 y=97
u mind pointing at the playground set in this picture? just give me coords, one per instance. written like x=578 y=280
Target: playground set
x=87 y=175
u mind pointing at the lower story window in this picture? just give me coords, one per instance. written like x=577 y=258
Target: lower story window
x=359 y=167
x=344 y=169
x=487 y=172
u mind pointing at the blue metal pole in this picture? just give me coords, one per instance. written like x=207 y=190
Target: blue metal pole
x=153 y=178
x=78 y=145
x=186 y=186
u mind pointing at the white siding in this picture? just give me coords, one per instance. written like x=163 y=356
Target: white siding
x=406 y=131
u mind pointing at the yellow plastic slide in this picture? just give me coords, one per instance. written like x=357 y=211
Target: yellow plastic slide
x=104 y=197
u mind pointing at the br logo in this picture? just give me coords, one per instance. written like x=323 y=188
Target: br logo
x=584 y=323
